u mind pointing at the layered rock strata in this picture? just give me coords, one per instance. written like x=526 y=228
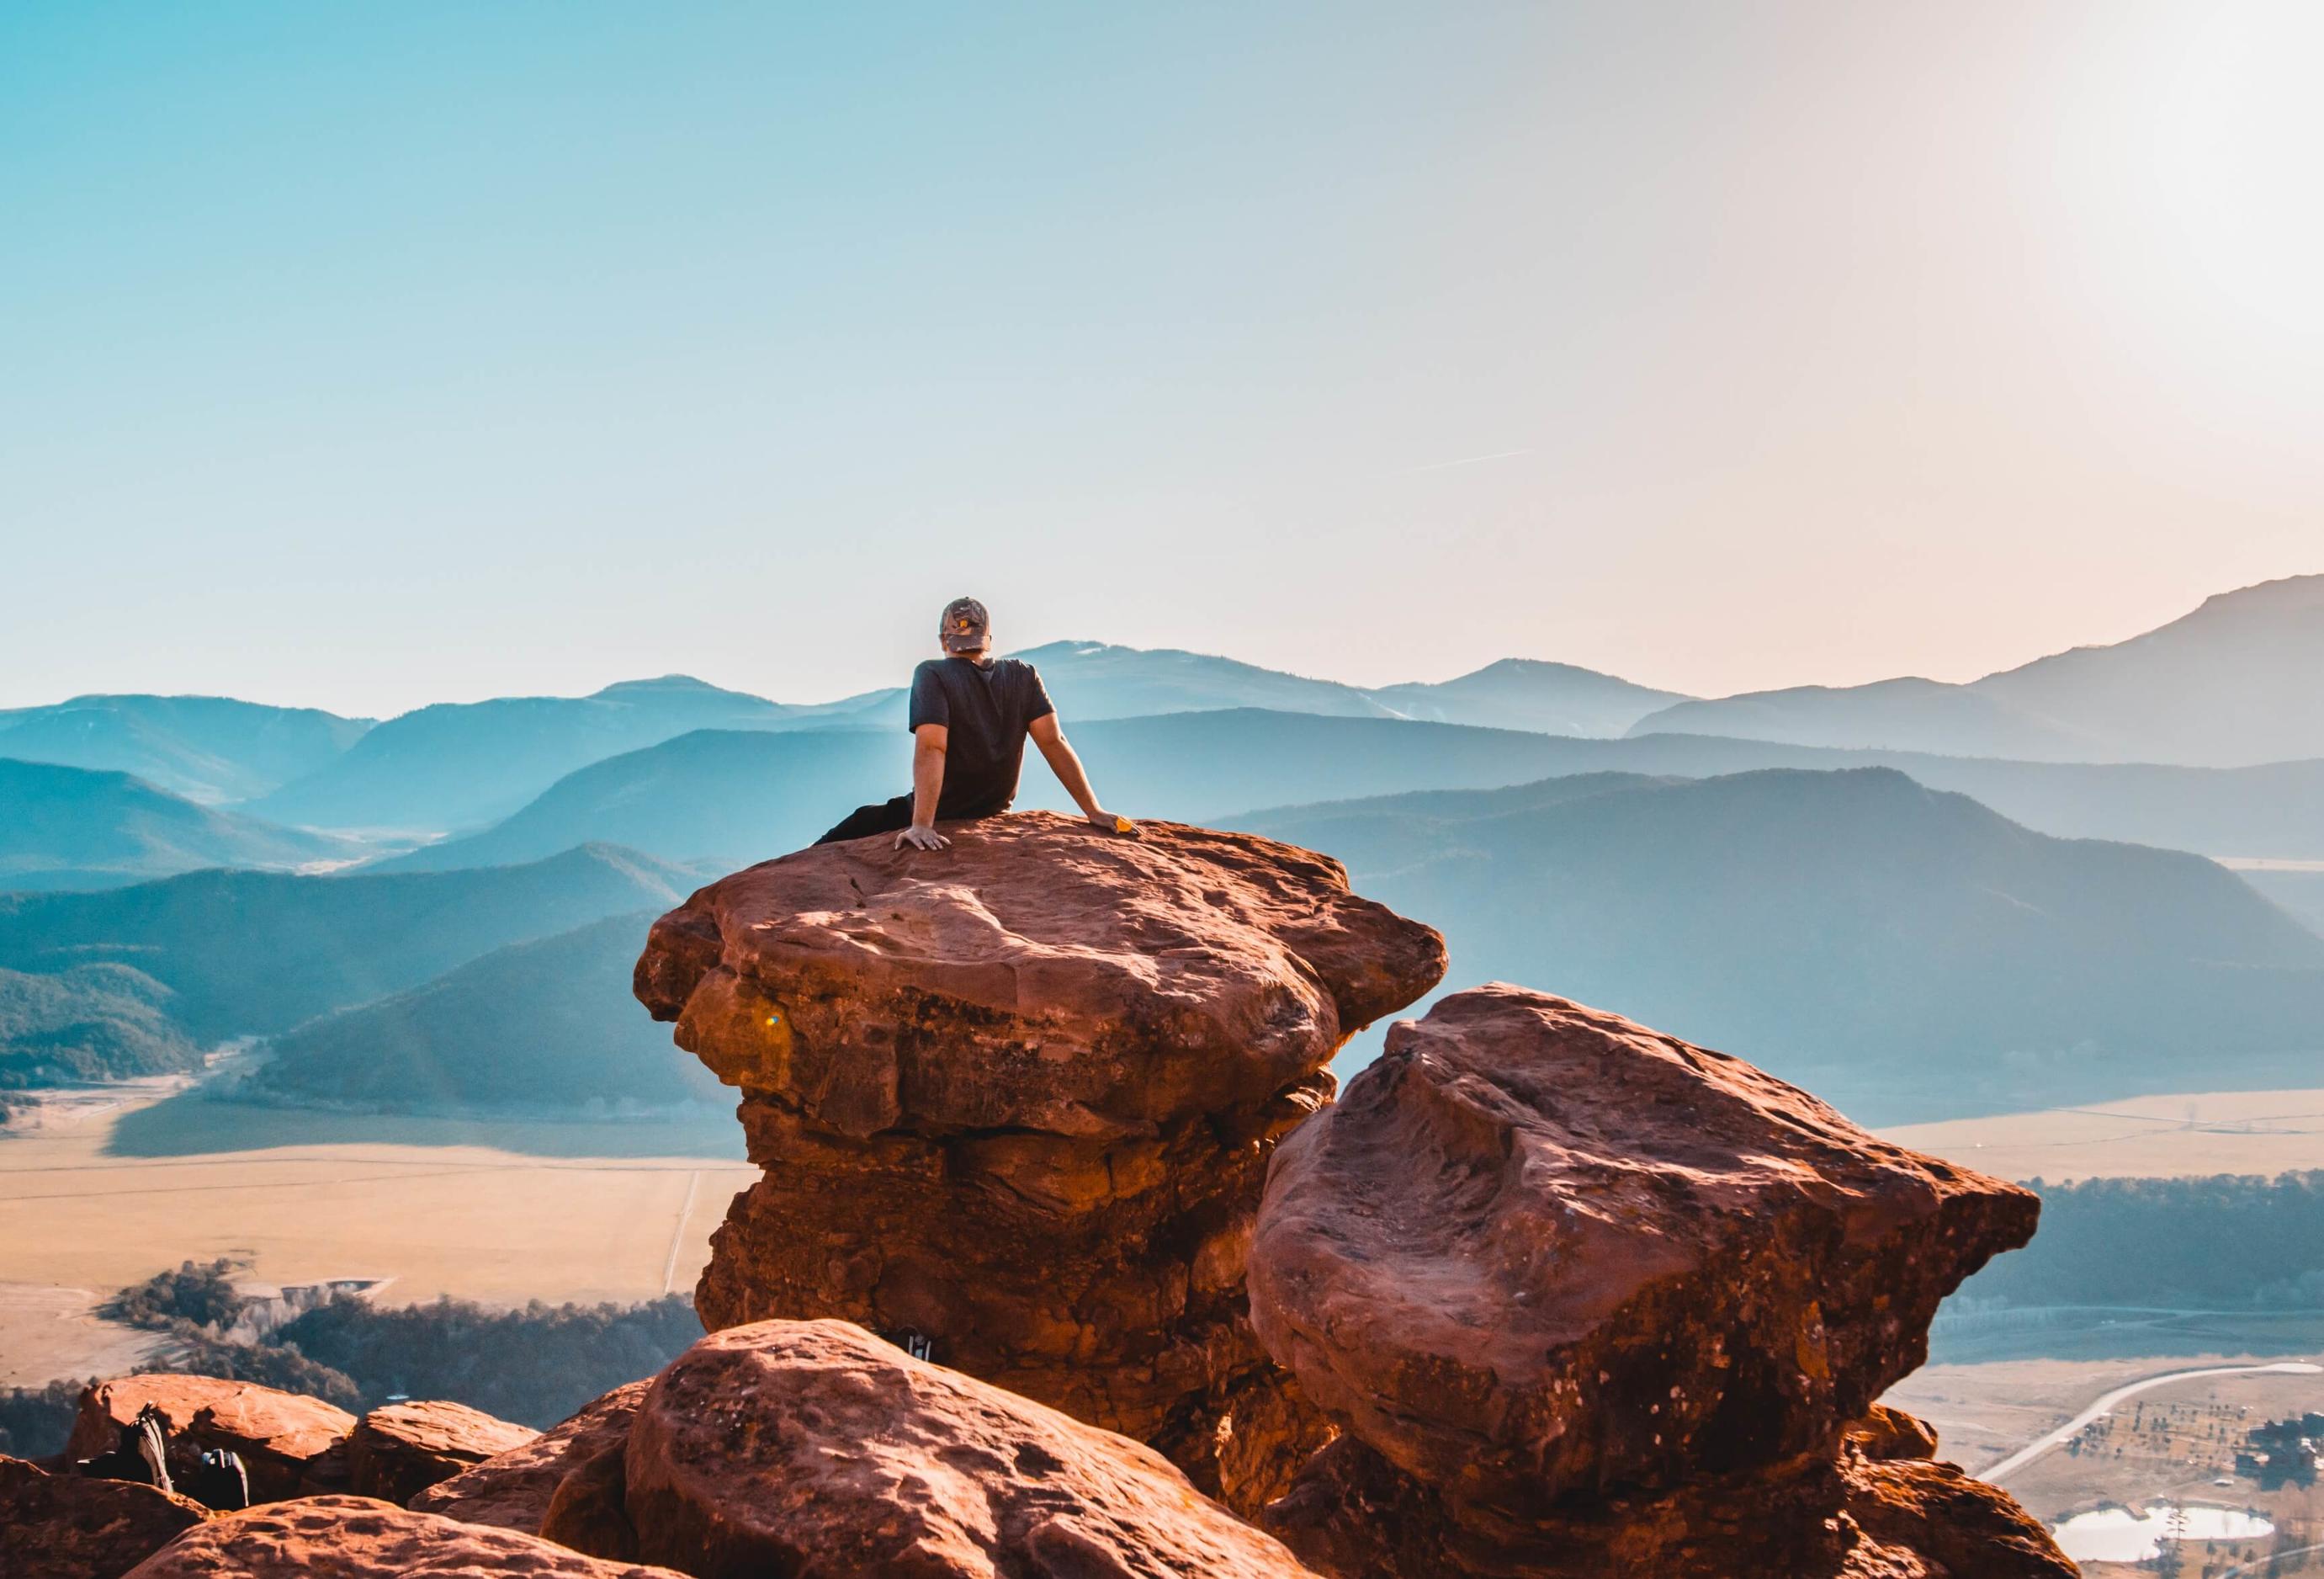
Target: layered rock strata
x=1590 y=1300
x=1015 y=1100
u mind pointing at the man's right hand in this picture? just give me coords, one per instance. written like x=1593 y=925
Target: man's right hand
x=920 y=838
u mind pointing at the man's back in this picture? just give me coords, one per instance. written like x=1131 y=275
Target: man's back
x=986 y=708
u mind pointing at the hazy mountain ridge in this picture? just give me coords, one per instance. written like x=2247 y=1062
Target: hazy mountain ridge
x=459 y=764
x=2239 y=681
x=91 y=1022
x=1910 y=951
x=1528 y=693
x=65 y=827
x=552 y=1019
x=1099 y=679
x=254 y=953
x=207 y=749
x=748 y=796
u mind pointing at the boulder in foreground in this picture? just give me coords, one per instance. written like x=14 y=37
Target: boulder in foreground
x=1590 y=1301
x=72 y=1527
x=357 y=1537
x=288 y=1442
x=814 y=1447
x=1015 y=1098
x=513 y=1489
x=1538 y=1248
x=399 y=1450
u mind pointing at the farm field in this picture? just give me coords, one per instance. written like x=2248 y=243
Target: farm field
x=2193 y=1134
x=503 y=1214
x=2176 y=1440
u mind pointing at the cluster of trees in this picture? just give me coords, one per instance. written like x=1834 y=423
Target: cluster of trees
x=2227 y=1241
x=34 y=1421
x=536 y=1365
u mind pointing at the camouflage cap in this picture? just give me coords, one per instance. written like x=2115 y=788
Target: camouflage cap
x=965 y=627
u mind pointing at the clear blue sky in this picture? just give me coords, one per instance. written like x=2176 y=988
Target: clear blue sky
x=365 y=355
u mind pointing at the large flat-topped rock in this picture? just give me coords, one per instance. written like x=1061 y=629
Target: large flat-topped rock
x=1537 y=1248
x=1037 y=974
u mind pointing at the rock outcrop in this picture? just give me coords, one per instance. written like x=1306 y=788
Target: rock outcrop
x=514 y=1490
x=1016 y=1098
x=814 y=1447
x=72 y=1527
x=288 y=1442
x=400 y=1450
x=1590 y=1300
x=357 y=1537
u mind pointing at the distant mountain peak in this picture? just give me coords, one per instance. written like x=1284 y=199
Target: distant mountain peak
x=2286 y=592
x=662 y=685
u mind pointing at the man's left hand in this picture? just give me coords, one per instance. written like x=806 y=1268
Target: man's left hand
x=1107 y=822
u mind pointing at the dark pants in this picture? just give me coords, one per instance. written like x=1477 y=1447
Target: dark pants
x=893 y=817
x=886 y=817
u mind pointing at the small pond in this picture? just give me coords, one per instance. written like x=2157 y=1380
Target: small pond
x=2122 y=1535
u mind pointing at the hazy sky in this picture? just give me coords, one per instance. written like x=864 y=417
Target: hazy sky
x=365 y=355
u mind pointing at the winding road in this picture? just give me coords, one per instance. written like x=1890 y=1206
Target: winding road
x=1992 y=1475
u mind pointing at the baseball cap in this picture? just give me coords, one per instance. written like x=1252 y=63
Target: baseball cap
x=965 y=627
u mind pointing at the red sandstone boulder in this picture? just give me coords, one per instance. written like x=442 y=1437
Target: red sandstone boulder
x=512 y=1490
x=399 y=1451
x=72 y=1527
x=1354 y=1515
x=816 y=1448
x=355 y=1538
x=286 y=1440
x=1931 y=1519
x=1886 y=1433
x=1537 y=1248
x=1038 y=974
x=1016 y=1098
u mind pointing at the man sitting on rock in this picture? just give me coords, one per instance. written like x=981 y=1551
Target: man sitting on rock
x=971 y=713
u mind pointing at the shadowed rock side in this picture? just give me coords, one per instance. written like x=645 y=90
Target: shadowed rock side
x=1019 y=1095
x=68 y=1527
x=356 y=1538
x=513 y=1490
x=814 y=1447
x=1592 y=1301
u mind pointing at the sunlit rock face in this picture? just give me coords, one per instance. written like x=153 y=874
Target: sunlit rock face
x=1016 y=1098
x=361 y=1538
x=814 y=1447
x=287 y=1443
x=1590 y=1300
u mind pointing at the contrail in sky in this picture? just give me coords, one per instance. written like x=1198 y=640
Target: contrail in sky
x=1464 y=460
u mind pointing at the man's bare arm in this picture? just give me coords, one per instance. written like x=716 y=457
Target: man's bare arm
x=1058 y=753
x=928 y=743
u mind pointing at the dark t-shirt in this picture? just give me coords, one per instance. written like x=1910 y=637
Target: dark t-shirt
x=987 y=707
